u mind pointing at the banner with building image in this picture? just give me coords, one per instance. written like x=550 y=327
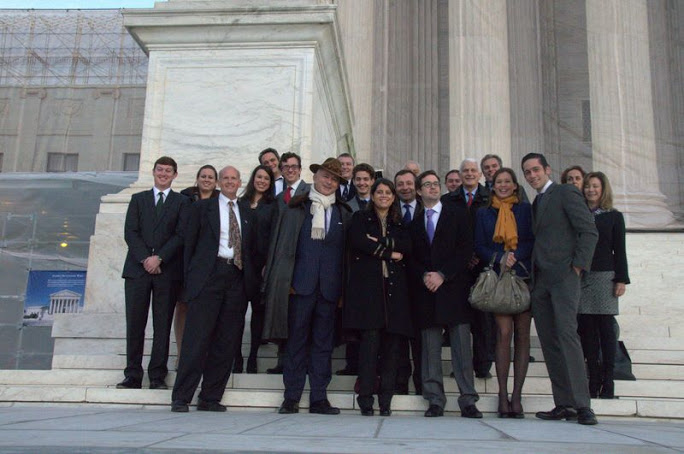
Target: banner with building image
x=53 y=292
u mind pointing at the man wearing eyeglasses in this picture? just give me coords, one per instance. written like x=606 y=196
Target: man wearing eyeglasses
x=291 y=169
x=442 y=245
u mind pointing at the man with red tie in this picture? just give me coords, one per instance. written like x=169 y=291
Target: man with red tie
x=291 y=169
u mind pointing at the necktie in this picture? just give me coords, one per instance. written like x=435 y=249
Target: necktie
x=537 y=201
x=362 y=204
x=430 y=228
x=160 y=204
x=407 y=214
x=470 y=198
x=288 y=194
x=234 y=240
x=345 y=192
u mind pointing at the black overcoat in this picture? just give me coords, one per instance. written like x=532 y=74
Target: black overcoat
x=372 y=302
x=449 y=253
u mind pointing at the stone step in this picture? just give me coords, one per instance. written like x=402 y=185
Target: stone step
x=645 y=407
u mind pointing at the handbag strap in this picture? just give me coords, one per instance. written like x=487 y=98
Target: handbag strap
x=505 y=268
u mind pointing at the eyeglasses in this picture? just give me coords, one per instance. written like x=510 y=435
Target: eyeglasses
x=292 y=167
x=430 y=184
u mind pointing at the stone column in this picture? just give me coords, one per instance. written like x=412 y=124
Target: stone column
x=103 y=123
x=622 y=110
x=226 y=79
x=479 y=90
x=28 y=133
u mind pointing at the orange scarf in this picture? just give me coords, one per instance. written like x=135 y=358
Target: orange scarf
x=506 y=229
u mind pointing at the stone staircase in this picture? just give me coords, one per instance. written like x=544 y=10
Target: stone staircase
x=89 y=356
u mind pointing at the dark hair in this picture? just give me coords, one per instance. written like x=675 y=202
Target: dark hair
x=565 y=173
x=487 y=157
x=421 y=177
x=250 y=190
x=207 y=166
x=394 y=213
x=404 y=172
x=450 y=172
x=346 y=155
x=166 y=161
x=289 y=155
x=514 y=177
x=267 y=151
x=363 y=167
x=542 y=159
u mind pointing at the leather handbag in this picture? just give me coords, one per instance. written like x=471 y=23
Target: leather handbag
x=506 y=293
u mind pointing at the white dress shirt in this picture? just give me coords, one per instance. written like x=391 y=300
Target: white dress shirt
x=435 y=216
x=156 y=194
x=278 y=185
x=224 y=251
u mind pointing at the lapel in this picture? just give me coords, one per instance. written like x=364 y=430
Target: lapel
x=214 y=218
x=543 y=204
x=244 y=223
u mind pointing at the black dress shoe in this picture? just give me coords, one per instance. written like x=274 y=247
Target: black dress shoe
x=385 y=411
x=289 y=407
x=129 y=383
x=367 y=412
x=471 y=411
x=323 y=407
x=347 y=371
x=434 y=411
x=203 y=405
x=275 y=370
x=558 y=413
x=179 y=406
x=586 y=416
x=158 y=384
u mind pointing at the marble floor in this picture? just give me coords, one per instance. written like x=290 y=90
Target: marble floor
x=72 y=428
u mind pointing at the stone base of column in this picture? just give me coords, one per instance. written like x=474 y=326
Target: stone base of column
x=646 y=211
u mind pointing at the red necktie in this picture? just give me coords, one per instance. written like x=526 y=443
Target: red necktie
x=470 y=198
x=288 y=194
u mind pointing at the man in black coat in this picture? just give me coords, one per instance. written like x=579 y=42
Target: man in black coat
x=442 y=245
x=472 y=196
x=220 y=277
x=153 y=232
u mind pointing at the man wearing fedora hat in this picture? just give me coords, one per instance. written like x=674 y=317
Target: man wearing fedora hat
x=303 y=285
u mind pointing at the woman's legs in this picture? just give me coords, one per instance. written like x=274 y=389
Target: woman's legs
x=179 y=317
x=608 y=350
x=587 y=327
x=502 y=355
x=521 y=358
x=389 y=363
x=256 y=326
x=368 y=360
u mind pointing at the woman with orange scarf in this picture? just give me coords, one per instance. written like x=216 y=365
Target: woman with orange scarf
x=504 y=230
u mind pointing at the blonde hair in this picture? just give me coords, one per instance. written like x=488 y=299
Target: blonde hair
x=606 y=200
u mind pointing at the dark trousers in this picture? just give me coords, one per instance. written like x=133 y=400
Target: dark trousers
x=311 y=326
x=555 y=301
x=374 y=343
x=599 y=344
x=409 y=348
x=351 y=356
x=484 y=340
x=163 y=291
x=256 y=326
x=211 y=335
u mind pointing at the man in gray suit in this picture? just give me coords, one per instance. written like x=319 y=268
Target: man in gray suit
x=565 y=237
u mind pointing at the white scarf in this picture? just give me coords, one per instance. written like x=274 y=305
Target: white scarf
x=319 y=203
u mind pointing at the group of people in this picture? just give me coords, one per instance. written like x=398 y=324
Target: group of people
x=385 y=266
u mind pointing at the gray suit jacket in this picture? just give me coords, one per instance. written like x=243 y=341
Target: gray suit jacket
x=301 y=189
x=564 y=231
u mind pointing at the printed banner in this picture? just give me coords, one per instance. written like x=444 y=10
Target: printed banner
x=53 y=292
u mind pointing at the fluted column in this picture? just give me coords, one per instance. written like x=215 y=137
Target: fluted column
x=622 y=119
x=479 y=89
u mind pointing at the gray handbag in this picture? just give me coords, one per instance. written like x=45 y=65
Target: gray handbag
x=506 y=293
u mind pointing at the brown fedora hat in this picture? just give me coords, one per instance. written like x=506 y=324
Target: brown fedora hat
x=332 y=165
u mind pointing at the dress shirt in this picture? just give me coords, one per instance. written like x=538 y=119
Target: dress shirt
x=473 y=192
x=546 y=186
x=412 y=208
x=278 y=185
x=435 y=216
x=224 y=251
x=157 y=191
x=293 y=186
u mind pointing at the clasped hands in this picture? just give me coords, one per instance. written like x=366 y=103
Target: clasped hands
x=152 y=264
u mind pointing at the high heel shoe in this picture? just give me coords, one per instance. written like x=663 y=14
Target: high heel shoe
x=504 y=413
x=516 y=414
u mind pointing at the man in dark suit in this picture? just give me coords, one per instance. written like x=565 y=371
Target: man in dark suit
x=304 y=281
x=472 y=196
x=346 y=191
x=405 y=182
x=153 y=232
x=220 y=279
x=565 y=237
x=442 y=245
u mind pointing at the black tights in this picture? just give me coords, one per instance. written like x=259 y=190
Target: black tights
x=516 y=328
x=599 y=344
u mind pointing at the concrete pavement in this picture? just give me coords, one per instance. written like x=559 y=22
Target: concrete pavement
x=72 y=428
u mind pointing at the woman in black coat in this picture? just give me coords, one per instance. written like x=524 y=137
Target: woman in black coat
x=259 y=197
x=602 y=286
x=376 y=302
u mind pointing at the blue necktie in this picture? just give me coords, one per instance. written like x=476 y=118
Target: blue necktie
x=407 y=214
x=430 y=225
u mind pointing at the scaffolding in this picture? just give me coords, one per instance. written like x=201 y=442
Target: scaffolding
x=68 y=48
